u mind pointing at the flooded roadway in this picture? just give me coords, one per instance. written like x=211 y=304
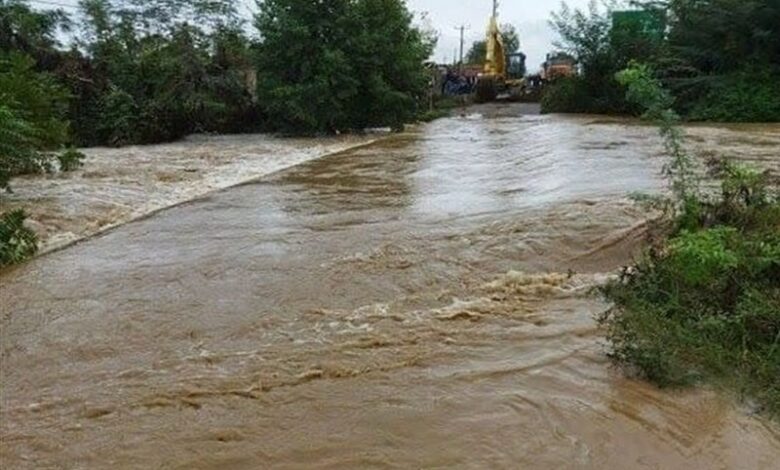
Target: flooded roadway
x=419 y=303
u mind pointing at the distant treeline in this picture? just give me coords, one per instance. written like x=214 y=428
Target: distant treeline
x=719 y=58
x=115 y=72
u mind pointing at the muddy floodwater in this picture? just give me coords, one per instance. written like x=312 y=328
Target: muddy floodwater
x=423 y=302
x=118 y=185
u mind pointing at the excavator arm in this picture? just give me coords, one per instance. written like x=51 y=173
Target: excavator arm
x=495 y=62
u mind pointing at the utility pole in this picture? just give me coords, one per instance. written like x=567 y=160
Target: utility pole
x=462 y=29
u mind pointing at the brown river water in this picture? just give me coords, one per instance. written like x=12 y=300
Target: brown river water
x=423 y=302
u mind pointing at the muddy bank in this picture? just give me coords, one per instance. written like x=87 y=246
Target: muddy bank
x=422 y=302
x=119 y=185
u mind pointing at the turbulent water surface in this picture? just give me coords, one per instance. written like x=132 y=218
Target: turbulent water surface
x=423 y=302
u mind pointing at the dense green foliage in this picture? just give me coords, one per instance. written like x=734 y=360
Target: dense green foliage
x=704 y=303
x=348 y=65
x=747 y=96
x=720 y=58
x=17 y=145
x=32 y=112
x=16 y=241
x=723 y=60
x=478 y=50
x=32 y=108
x=142 y=71
x=71 y=160
x=159 y=70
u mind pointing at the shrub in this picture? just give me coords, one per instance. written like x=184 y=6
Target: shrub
x=565 y=95
x=703 y=305
x=584 y=94
x=17 y=145
x=31 y=117
x=35 y=98
x=433 y=114
x=71 y=160
x=747 y=96
x=708 y=308
x=17 y=242
x=118 y=118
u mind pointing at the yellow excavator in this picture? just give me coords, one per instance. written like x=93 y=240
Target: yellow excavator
x=503 y=73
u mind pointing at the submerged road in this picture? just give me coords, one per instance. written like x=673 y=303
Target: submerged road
x=411 y=304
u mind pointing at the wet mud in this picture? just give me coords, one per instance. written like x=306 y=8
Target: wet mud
x=423 y=302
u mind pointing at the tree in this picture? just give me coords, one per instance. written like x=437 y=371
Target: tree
x=150 y=17
x=478 y=50
x=723 y=59
x=477 y=53
x=585 y=34
x=723 y=35
x=346 y=64
x=161 y=69
x=511 y=38
x=32 y=110
x=600 y=52
x=18 y=145
x=23 y=29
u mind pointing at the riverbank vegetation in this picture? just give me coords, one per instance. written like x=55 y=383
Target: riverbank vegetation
x=720 y=59
x=703 y=304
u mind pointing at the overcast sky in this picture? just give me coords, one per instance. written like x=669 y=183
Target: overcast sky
x=529 y=17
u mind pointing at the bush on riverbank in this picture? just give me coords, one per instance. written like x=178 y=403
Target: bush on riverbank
x=17 y=242
x=577 y=95
x=745 y=96
x=32 y=109
x=703 y=305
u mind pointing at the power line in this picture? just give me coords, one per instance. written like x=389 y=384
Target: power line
x=462 y=29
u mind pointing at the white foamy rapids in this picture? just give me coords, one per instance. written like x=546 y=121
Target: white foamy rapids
x=116 y=186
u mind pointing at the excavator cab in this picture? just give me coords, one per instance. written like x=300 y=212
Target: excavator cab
x=515 y=68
